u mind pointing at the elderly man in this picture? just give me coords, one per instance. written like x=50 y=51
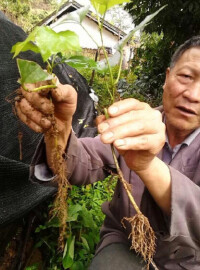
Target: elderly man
x=159 y=154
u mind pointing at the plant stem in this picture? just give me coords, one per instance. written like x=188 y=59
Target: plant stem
x=138 y=215
x=90 y=36
x=106 y=55
x=52 y=63
x=121 y=178
x=110 y=92
x=120 y=68
x=38 y=89
x=120 y=174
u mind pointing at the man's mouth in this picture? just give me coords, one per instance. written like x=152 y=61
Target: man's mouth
x=186 y=110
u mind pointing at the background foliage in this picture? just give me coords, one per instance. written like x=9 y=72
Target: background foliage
x=27 y=13
x=84 y=221
x=178 y=22
x=149 y=69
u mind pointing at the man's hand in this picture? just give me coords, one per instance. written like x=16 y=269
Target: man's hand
x=35 y=110
x=136 y=130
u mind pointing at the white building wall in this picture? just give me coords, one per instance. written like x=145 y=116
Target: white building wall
x=85 y=40
x=109 y=39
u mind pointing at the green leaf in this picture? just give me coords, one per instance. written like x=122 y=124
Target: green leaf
x=115 y=58
x=88 y=218
x=47 y=42
x=33 y=267
x=50 y=42
x=77 y=266
x=18 y=47
x=53 y=223
x=73 y=212
x=26 y=44
x=31 y=72
x=68 y=257
x=101 y=6
x=92 y=238
x=85 y=243
x=81 y=62
x=125 y=39
x=75 y=16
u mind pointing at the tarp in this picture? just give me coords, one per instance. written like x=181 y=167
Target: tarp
x=17 y=194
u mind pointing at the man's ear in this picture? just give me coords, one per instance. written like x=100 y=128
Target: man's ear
x=166 y=76
x=167 y=72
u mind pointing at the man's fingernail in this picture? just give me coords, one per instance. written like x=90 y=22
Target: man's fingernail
x=38 y=129
x=45 y=123
x=119 y=143
x=108 y=135
x=102 y=127
x=113 y=109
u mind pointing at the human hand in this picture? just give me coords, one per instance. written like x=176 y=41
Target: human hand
x=35 y=109
x=50 y=114
x=136 y=130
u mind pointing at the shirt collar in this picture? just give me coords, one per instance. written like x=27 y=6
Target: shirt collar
x=189 y=139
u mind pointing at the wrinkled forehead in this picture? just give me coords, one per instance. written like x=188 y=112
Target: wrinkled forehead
x=190 y=58
x=191 y=54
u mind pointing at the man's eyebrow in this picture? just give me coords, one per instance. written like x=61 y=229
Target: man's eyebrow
x=189 y=68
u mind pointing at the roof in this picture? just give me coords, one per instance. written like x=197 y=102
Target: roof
x=72 y=6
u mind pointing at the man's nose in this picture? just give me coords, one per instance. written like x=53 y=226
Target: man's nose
x=192 y=93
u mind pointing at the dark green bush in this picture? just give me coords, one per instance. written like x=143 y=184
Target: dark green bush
x=84 y=221
x=149 y=68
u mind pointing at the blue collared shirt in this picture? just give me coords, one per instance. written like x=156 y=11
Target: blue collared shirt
x=169 y=152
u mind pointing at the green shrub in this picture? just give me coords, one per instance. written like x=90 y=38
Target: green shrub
x=84 y=221
x=100 y=88
x=149 y=69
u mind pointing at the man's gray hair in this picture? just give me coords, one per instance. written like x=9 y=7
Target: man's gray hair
x=188 y=44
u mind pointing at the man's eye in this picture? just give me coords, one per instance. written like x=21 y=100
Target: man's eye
x=185 y=77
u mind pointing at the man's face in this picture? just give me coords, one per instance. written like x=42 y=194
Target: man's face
x=181 y=97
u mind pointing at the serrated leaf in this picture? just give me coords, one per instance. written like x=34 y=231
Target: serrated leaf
x=81 y=62
x=31 y=72
x=101 y=6
x=68 y=258
x=50 y=42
